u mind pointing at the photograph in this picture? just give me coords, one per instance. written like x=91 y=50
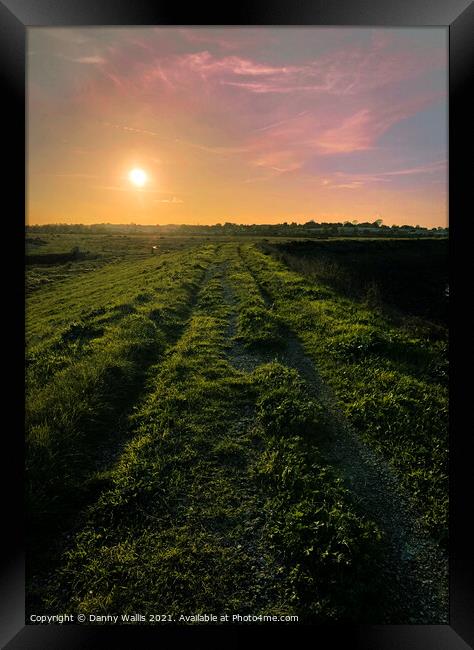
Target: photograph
x=236 y=319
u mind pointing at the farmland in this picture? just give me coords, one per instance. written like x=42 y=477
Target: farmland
x=232 y=425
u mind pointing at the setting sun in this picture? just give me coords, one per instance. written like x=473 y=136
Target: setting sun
x=138 y=177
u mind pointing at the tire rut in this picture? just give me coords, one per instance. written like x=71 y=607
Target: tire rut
x=413 y=571
x=108 y=455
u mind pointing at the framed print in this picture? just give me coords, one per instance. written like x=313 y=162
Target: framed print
x=233 y=232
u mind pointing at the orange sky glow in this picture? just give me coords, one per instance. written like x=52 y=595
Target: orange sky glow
x=248 y=125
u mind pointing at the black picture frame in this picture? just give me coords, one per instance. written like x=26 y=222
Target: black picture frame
x=15 y=17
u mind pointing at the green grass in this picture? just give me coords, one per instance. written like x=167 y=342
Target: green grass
x=210 y=508
x=327 y=550
x=391 y=386
x=54 y=259
x=166 y=508
x=257 y=326
x=161 y=473
x=80 y=390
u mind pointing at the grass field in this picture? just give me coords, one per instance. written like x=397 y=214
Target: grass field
x=237 y=426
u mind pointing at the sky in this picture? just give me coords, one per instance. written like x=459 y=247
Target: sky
x=241 y=124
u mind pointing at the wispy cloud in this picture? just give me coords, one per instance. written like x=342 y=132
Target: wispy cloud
x=218 y=150
x=345 y=180
x=131 y=129
x=280 y=134
x=121 y=188
x=360 y=131
x=281 y=122
x=344 y=72
x=90 y=60
x=174 y=199
x=429 y=168
x=66 y=175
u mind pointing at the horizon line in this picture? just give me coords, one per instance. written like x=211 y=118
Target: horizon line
x=230 y=223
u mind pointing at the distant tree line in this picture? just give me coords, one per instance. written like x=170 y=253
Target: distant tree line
x=308 y=229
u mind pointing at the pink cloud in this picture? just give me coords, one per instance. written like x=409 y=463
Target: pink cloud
x=331 y=104
x=205 y=63
x=279 y=160
x=349 y=71
x=360 y=131
x=345 y=180
x=90 y=60
x=354 y=133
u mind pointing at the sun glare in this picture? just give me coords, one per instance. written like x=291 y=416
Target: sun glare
x=137 y=177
